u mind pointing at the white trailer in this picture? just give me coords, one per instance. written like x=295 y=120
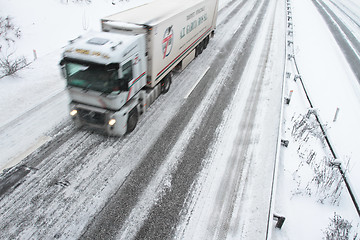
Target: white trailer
x=114 y=75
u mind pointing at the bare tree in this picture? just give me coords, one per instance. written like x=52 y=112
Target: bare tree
x=9 y=33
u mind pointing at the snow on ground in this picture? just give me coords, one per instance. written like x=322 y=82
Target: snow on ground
x=331 y=84
x=48 y=25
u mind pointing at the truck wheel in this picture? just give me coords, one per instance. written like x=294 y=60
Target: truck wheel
x=165 y=84
x=206 y=42
x=197 y=51
x=132 y=120
x=201 y=48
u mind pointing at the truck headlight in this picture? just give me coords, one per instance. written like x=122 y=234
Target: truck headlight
x=73 y=112
x=112 y=122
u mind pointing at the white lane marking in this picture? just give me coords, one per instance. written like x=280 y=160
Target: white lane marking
x=192 y=89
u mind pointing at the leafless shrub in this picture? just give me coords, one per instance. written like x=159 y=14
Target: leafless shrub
x=304 y=127
x=9 y=33
x=314 y=176
x=326 y=183
x=339 y=229
x=9 y=65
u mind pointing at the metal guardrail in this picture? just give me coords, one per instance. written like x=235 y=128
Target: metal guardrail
x=271 y=215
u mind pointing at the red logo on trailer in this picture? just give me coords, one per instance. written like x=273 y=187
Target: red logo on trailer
x=168 y=41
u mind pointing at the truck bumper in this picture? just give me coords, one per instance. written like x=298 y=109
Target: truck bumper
x=112 y=122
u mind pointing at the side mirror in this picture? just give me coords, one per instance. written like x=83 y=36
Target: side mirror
x=62 y=68
x=63 y=71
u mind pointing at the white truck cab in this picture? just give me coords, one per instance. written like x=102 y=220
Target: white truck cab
x=104 y=71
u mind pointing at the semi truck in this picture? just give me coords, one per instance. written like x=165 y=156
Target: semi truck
x=114 y=75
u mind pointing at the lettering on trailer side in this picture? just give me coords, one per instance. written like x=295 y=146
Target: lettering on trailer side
x=194 y=22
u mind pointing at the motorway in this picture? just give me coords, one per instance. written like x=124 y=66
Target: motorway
x=198 y=165
x=344 y=24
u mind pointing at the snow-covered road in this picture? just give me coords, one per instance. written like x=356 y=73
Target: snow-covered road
x=197 y=166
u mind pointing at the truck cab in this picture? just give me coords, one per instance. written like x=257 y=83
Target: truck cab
x=104 y=72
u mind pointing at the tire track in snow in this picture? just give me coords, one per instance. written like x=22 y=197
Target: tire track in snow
x=36 y=195
x=220 y=218
x=231 y=11
x=348 y=43
x=172 y=204
x=348 y=12
x=41 y=196
x=237 y=170
x=13 y=177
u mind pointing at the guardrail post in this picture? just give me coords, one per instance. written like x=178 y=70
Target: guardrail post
x=296 y=77
x=288 y=99
x=284 y=143
x=280 y=221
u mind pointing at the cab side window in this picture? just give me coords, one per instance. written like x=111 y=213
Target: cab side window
x=127 y=71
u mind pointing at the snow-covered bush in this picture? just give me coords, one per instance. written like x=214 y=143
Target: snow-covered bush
x=304 y=127
x=339 y=229
x=9 y=33
x=326 y=182
x=315 y=175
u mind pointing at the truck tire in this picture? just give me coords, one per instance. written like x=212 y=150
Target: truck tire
x=165 y=84
x=132 y=120
x=206 y=42
x=200 y=47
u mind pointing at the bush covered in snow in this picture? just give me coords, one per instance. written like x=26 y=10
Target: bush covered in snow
x=340 y=229
x=315 y=175
x=9 y=33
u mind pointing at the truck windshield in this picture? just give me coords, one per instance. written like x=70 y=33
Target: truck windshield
x=92 y=77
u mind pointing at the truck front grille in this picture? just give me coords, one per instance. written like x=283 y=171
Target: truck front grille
x=92 y=117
